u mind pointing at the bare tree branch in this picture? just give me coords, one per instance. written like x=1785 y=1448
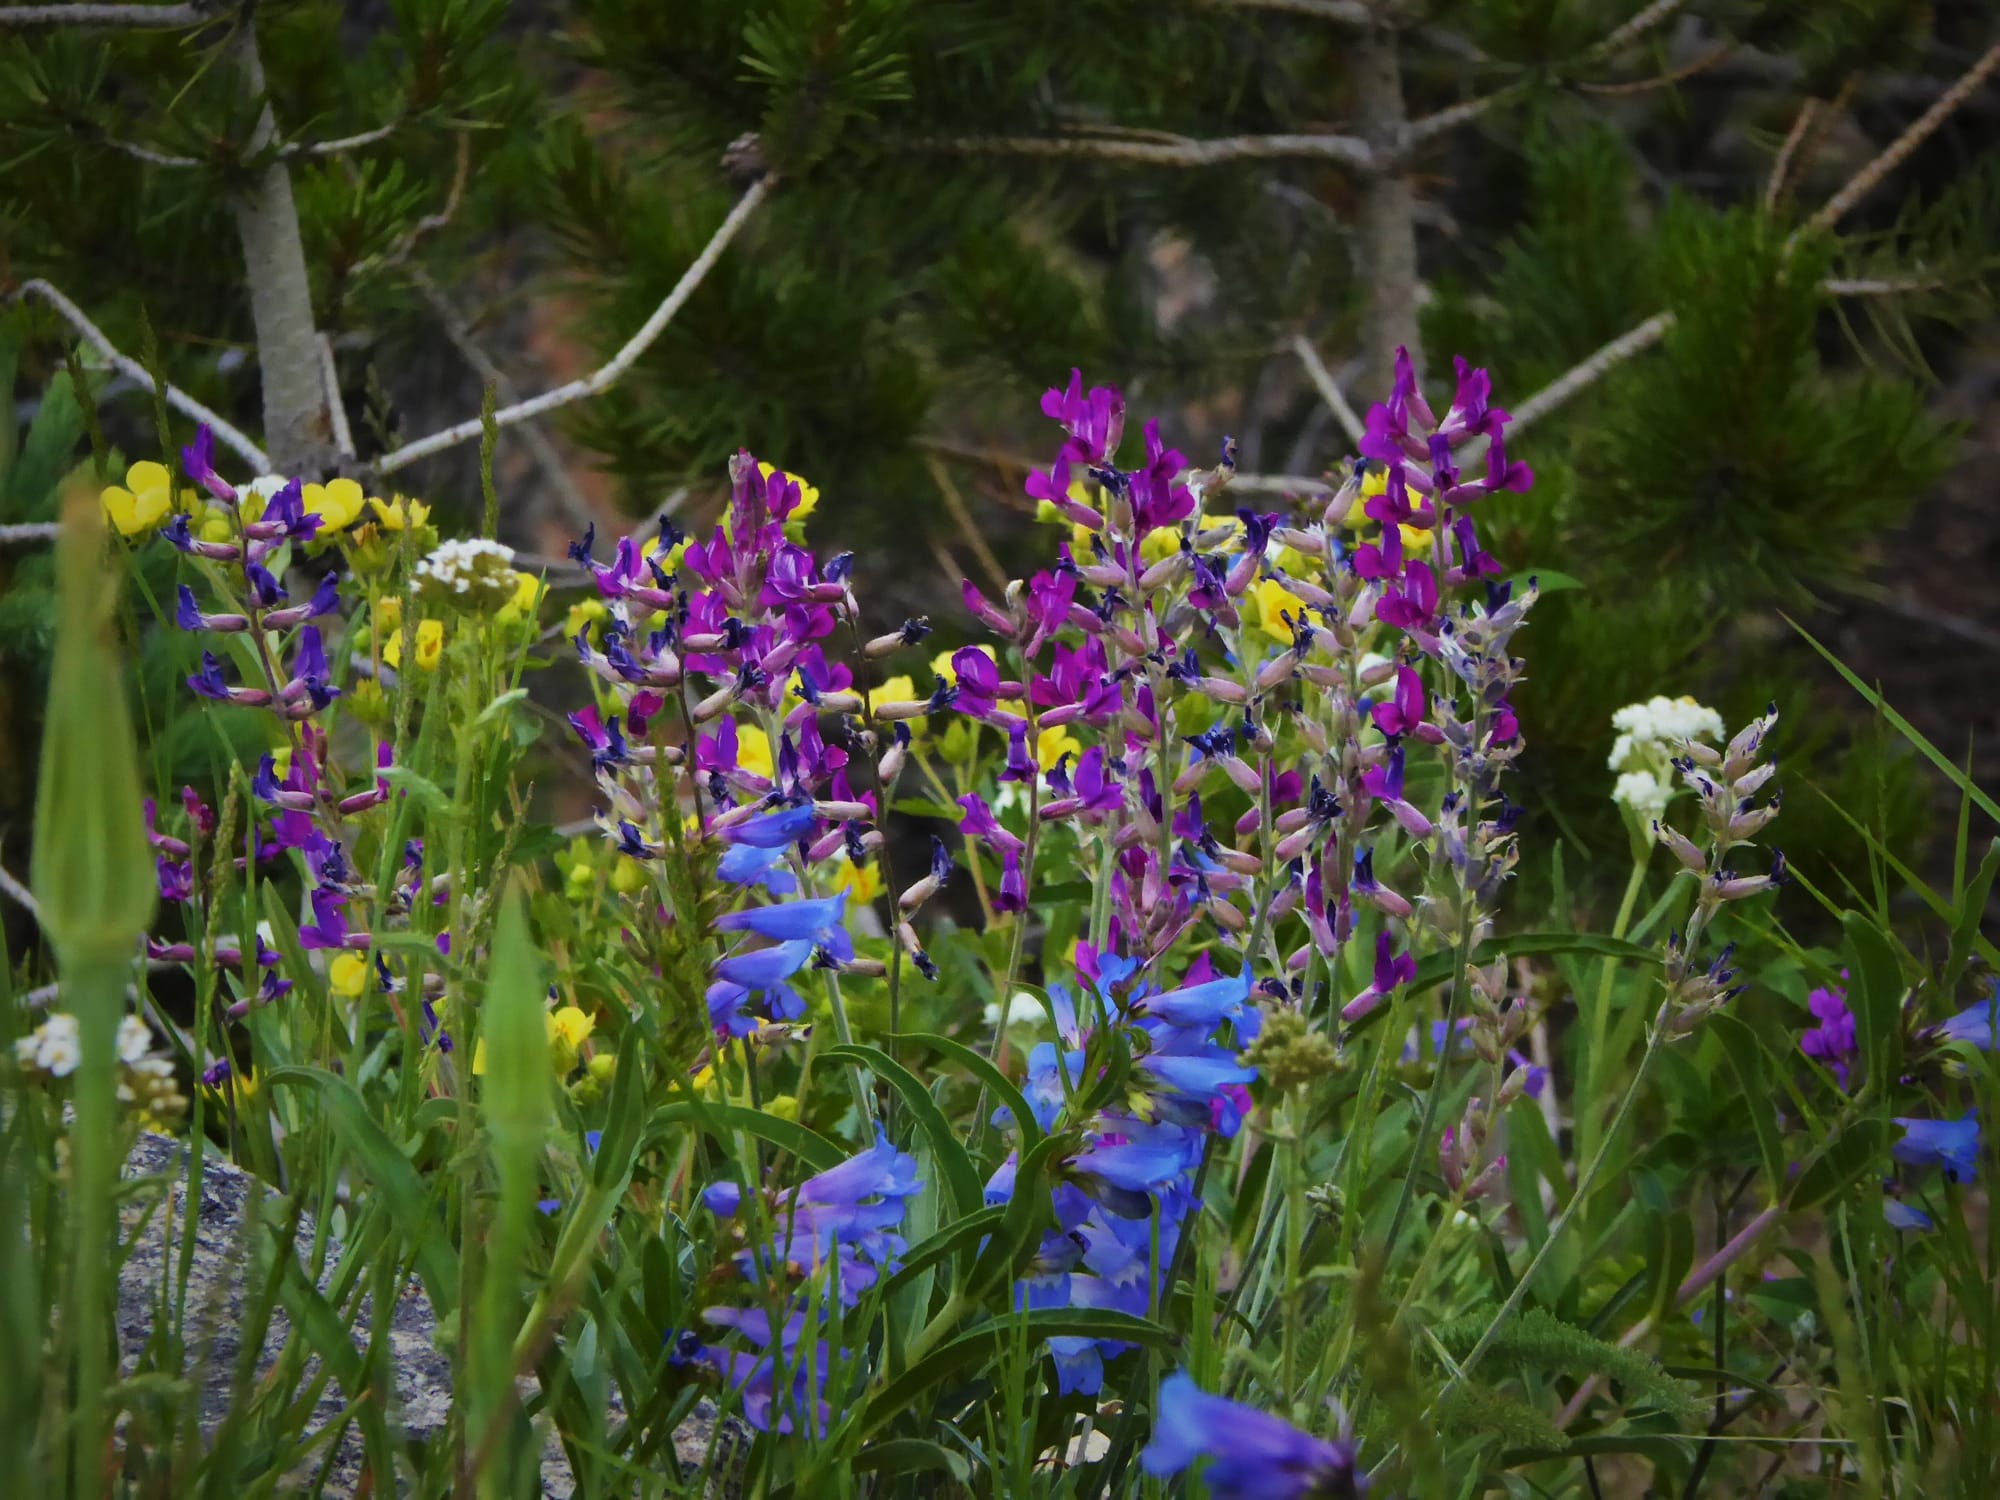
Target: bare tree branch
x=9 y=886
x=1899 y=150
x=1345 y=12
x=1175 y=152
x=289 y=151
x=1279 y=484
x=1716 y=54
x=161 y=17
x=1329 y=392
x=33 y=531
x=622 y=361
x=180 y=400
x=1782 y=166
x=343 y=435
x=1591 y=370
x=540 y=448
x=1432 y=125
x=1648 y=18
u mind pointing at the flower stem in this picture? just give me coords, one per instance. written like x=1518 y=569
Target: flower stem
x=1595 y=1066
x=1562 y=1220
x=1461 y=963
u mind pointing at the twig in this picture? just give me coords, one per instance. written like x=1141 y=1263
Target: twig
x=962 y=518
x=1898 y=151
x=1346 y=12
x=9 y=886
x=343 y=435
x=32 y=531
x=1278 y=484
x=161 y=17
x=1682 y=74
x=1428 y=126
x=1638 y=26
x=1592 y=370
x=1901 y=286
x=622 y=361
x=1782 y=167
x=1179 y=152
x=459 y=332
x=287 y=152
x=1329 y=391
x=180 y=400
x=429 y=223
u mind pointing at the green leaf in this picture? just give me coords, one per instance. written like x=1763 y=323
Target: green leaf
x=947 y=1242
x=1028 y=1212
x=1548 y=580
x=910 y=1456
x=961 y=1178
x=389 y=1173
x=718 y=1120
x=1965 y=926
x=1743 y=1052
x=1958 y=777
x=427 y=794
x=970 y=1352
x=995 y=1080
x=1851 y=1153
x=624 y=1121
x=1875 y=989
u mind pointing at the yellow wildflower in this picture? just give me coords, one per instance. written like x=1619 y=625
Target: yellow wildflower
x=527 y=597
x=808 y=495
x=281 y=761
x=603 y=1066
x=896 y=690
x=400 y=513
x=348 y=975
x=337 y=503
x=214 y=525
x=568 y=1028
x=863 y=883
x=1417 y=538
x=753 y=751
x=586 y=616
x=1274 y=599
x=627 y=875
x=430 y=645
x=388 y=614
x=1374 y=482
x=1051 y=745
x=142 y=502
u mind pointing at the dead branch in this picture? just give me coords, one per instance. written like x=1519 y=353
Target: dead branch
x=622 y=361
x=1329 y=392
x=180 y=400
x=1899 y=150
x=1181 y=151
x=1345 y=12
x=143 y=17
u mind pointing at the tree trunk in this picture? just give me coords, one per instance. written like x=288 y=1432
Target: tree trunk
x=1388 y=216
x=298 y=427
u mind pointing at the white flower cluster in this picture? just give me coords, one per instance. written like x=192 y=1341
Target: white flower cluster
x=464 y=564
x=55 y=1050
x=1024 y=1010
x=1650 y=735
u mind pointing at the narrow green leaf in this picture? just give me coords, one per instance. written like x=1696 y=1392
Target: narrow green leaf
x=947 y=1242
x=1020 y=1232
x=390 y=1175
x=910 y=1456
x=1002 y=1086
x=970 y=1352
x=961 y=1178
x=1743 y=1052
x=1875 y=989
x=1850 y=1154
x=718 y=1120
x=1904 y=727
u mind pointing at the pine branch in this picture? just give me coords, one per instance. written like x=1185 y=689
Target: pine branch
x=1782 y=166
x=590 y=385
x=1329 y=392
x=161 y=17
x=1720 y=52
x=1175 y=151
x=180 y=400
x=1899 y=150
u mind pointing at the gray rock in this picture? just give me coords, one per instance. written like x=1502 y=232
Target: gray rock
x=226 y=1254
